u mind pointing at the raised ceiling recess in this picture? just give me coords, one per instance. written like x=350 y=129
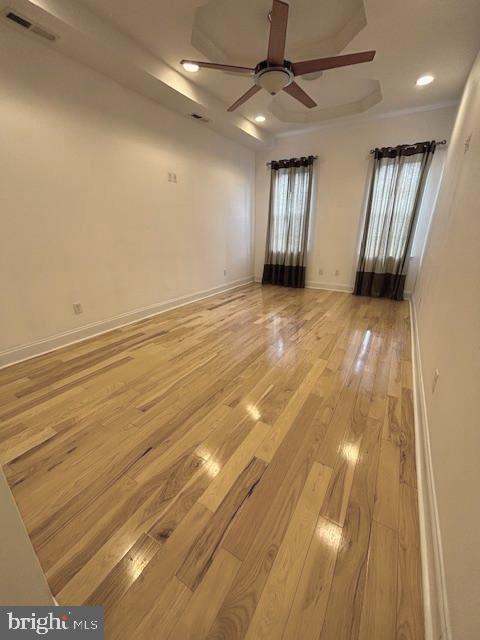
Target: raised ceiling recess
x=237 y=31
x=367 y=94
x=232 y=32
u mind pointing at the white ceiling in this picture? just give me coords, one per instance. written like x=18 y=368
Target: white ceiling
x=139 y=43
x=412 y=37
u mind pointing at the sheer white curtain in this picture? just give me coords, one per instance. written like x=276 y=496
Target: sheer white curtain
x=290 y=195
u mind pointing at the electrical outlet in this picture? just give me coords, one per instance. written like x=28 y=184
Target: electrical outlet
x=436 y=375
x=337 y=272
x=224 y=272
x=320 y=272
x=77 y=308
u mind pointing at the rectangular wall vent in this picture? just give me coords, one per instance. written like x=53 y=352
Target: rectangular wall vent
x=19 y=20
x=29 y=26
x=197 y=116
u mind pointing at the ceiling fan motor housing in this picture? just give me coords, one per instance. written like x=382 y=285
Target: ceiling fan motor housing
x=273 y=78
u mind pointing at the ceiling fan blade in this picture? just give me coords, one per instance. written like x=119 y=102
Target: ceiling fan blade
x=278 y=33
x=299 y=94
x=322 y=64
x=220 y=67
x=246 y=96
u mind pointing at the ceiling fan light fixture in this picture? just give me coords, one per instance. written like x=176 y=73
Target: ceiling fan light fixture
x=424 y=80
x=191 y=67
x=274 y=80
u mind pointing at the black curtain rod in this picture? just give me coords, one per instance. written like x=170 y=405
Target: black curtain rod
x=440 y=142
x=286 y=160
x=412 y=145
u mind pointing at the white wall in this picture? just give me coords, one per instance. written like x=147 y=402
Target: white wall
x=341 y=174
x=22 y=581
x=447 y=303
x=87 y=213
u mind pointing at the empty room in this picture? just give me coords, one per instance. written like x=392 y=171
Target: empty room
x=240 y=319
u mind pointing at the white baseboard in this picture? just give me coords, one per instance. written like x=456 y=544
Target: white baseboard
x=327 y=286
x=50 y=343
x=437 y=622
x=311 y=284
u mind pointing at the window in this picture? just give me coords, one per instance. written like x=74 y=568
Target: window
x=288 y=219
x=290 y=194
x=394 y=196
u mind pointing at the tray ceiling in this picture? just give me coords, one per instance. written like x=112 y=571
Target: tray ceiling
x=411 y=38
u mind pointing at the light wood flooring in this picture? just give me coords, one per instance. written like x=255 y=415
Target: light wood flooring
x=241 y=467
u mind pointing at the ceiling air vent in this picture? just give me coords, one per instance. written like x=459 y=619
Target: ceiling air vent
x=197 y=116
x=29 y=26
x=19 y=20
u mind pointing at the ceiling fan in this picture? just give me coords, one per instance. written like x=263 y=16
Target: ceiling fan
x=275 y=73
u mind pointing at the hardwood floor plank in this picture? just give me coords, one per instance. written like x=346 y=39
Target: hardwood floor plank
x=220 y=486
x=203 y=550
x=387 y=495
x=258 y=532
x=195 y=622
x=392 y=428
x=160 y=394
x=139 y=507
x=168 y=609
x=22 y=442
x=408 y=472
x=160 y=517
x=380 y=600
x=287 y=467
x=283 y=424
x=58 y=390
x=338 y=494
x=83 y=532
x=342 y=618
x=310 y=601
x=125 y=573
x=273 y=608
x=409 y=524
x=410 y=621
x=170 y=518
x=127 y=613
x=395 y=376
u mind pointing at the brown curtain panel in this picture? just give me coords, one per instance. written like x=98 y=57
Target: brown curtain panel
x=396 y=189
x=288 y=220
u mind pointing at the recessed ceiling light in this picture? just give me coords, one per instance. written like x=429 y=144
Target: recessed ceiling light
x=190 y=66
x=423 y=80
x=260 y=118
